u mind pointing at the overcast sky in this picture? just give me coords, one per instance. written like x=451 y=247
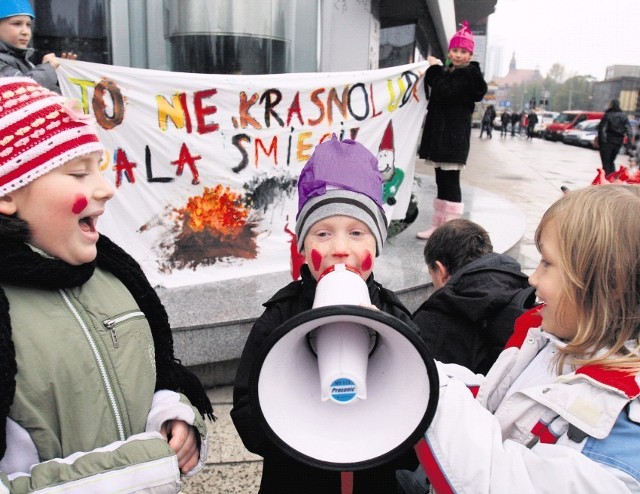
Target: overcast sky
x=585 y=36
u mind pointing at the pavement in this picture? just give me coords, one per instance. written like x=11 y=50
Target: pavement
x=526 y=175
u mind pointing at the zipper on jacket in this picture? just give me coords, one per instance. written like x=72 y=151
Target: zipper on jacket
x=113 y=323
x=99 y=361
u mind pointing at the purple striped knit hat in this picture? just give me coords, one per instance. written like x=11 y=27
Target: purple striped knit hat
x=341 y=178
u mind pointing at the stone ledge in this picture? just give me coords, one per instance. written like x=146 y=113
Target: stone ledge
x=211 y=321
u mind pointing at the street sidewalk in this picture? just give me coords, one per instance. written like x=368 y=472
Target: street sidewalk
x=527 y=173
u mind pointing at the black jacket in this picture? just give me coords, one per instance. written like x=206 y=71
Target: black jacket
x=458 y=321
x=452 y=95
x=613 y=127
x=282 y=474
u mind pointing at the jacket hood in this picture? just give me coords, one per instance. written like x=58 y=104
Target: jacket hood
x=481 y=287
x=24 y=53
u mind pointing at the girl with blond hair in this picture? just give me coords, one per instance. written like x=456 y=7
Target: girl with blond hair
x=560 y=409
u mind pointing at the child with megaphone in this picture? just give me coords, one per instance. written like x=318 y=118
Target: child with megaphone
x=340 y=221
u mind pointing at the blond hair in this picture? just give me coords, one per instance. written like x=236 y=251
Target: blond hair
x=599 y=241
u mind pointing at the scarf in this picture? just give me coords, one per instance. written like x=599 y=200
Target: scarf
x=20 y=265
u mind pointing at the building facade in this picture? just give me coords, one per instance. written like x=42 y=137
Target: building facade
x=254 y=36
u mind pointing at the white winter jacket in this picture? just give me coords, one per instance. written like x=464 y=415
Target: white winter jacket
x=575 y=433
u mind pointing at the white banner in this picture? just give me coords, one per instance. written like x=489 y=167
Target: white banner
x=205 y=165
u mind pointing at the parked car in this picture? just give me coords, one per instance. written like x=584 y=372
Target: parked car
x=544 y=119
x=589 y=140
x=568 y=120
x=575 y=136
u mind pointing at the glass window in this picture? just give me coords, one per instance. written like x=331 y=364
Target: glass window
x=397 y=45
x=230 y=36
x=202 y=36
x=72 y=25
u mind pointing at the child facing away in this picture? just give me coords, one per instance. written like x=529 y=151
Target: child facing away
x=92 y=398
x=16 y=19
x=560 y=409
x=478 y=296
x=340 y=221
x=452 y=89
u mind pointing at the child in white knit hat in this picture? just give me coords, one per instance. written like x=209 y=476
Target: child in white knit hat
x=89 y=387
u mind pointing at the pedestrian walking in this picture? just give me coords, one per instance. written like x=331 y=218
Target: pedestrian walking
x=487 y=121
x=505 y=119
x=515 y=121
x=532 y=120
x=612 y=129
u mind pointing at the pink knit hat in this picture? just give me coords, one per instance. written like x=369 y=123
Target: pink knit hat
x=463 y=39
x=39 y=131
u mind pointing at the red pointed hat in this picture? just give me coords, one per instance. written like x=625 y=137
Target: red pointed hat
x=463 y=39
x=387 y=139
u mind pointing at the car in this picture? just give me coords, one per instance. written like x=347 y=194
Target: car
x=589 y=139
x=544 y=119
x=574 y=136
x=568 y=120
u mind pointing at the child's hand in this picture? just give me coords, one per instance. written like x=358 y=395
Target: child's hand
x=69 y=55
x=369 y=306
x=433 y=60
x=183 y=440
x=51 y=58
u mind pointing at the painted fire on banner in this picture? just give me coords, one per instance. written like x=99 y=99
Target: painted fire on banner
x=206 y=166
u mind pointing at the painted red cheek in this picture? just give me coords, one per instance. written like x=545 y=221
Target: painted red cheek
x=79 y=204
x=367 y=263
x=316 y=259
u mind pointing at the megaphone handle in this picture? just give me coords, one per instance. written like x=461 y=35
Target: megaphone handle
x=346 y=482
x=427 y=459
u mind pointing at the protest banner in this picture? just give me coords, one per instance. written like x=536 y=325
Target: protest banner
x=205 y=165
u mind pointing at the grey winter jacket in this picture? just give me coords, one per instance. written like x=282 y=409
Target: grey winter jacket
x=15 y=62
x=85 y=417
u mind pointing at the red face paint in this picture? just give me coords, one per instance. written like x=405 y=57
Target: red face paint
x=316 y=259
x=367 y=263
x=79 y=204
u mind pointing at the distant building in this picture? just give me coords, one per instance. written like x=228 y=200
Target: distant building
x=616 y=71
x=506 y=88
x=625 y=89
x=516 y=76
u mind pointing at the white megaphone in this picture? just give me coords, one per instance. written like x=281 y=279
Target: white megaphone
x=343 y=386
x=342 y=348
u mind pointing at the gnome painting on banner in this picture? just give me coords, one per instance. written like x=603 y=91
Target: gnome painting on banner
x=391 y=175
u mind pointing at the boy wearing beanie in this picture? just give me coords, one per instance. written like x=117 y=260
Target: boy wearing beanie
x=16 y=19
x=452 y=90
x=89 y=387
x=340 y=221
